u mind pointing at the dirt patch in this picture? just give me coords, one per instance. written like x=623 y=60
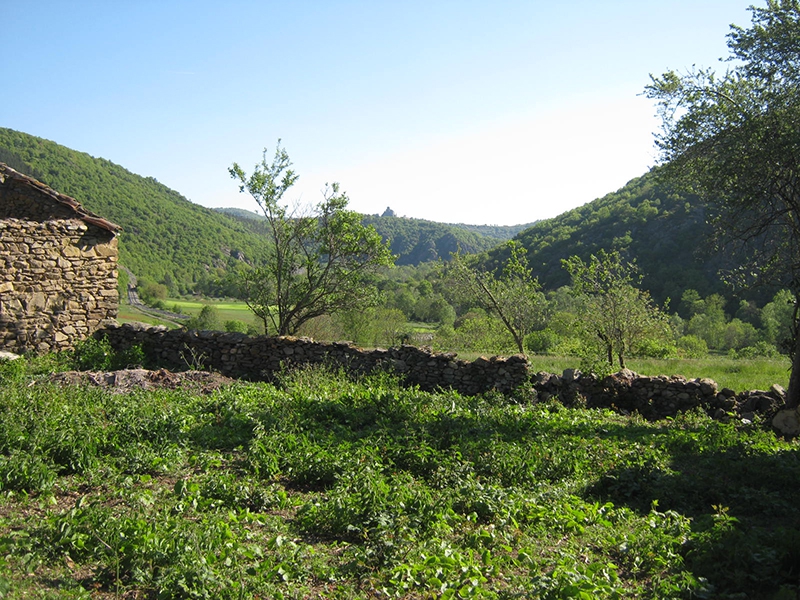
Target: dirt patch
x=132 y=379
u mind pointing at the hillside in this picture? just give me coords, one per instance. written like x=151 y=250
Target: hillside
x=169 y=239
x=166 y=237
x=415 y=241
x=664 y=231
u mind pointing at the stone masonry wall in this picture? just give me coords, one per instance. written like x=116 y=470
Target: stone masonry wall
x=58 y=282
x=259 y=358
x=22 y=198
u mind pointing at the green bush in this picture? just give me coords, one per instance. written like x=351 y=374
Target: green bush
x=542 y=342
x=657 y=349
x=691 y=346
x=760 y=349
x=236 y=326
x=94 y=354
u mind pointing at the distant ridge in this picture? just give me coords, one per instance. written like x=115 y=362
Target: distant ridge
x=415 y=241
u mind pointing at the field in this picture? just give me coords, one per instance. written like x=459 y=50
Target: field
x=320 y=486
x=228 y=310
x=736 y=374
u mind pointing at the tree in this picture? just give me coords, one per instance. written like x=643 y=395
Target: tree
x=206 y=320
x=735 y=140
x=616 y=312
x=319 y=261
x=515 y=295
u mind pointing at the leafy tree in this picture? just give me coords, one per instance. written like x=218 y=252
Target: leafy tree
x=207 y=319
x=777 y=319
x=617 y=313
x=514 y=296
x=735 y=139
x=235 y=326
x=151 y=292
x=319 y=261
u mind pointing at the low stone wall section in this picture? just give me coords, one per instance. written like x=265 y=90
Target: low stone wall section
x=657 y=397
x=260 y=358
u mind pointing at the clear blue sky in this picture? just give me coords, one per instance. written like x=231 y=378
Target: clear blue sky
x=498 y=112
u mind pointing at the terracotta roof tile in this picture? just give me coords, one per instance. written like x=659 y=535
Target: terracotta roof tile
x=81 y=213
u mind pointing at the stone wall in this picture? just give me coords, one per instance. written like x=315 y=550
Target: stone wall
x=58 y=267
x=58 y=282
x=22 y=198
x=656 y=397
x=259 y=358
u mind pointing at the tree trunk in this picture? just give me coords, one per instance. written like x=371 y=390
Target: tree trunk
x=793 y=393
x=519 y=341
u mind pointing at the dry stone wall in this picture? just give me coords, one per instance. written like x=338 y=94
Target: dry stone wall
x=58 y=267
x=657 y=397
x=259 y=358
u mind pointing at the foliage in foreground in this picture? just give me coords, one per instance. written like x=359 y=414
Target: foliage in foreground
x=320 y=486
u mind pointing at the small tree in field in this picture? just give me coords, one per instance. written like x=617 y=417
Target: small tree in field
x=319 y=261
x=616 y=312
x=514 y=295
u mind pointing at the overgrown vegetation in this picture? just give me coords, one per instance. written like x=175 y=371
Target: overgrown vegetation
x=321 y=486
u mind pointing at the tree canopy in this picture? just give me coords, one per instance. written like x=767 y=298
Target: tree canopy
x=319 y=260
x=615 y=311
x=734 y=138
x=514 y=295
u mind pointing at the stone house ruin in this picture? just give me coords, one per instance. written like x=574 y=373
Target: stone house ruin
x=58 y=267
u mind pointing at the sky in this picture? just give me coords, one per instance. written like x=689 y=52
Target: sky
x=497 y=112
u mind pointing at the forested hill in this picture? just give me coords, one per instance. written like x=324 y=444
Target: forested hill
x=169 y=239
x=415 y=241
x=664 y=231
x=166 y=237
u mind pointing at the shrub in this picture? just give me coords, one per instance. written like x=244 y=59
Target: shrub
x=94 y=354
x=235 y=326
x=657 y=349
x=541 y=342
x=757 y=350
x=691 y=346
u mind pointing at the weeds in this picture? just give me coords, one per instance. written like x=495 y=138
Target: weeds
x=325 y=486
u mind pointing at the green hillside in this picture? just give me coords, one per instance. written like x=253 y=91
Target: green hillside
x=498 y=232
x=166 y=237
x=664 y=231
x=415 y=241
x=169 y=239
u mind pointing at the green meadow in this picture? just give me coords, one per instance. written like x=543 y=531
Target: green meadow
x=322 y=486
x=228 y=310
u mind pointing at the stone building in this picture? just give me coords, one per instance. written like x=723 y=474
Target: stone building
x=58 y=267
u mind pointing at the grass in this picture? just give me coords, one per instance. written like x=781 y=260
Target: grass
x=736 y=374
x=227 y=310
x=321 y=486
